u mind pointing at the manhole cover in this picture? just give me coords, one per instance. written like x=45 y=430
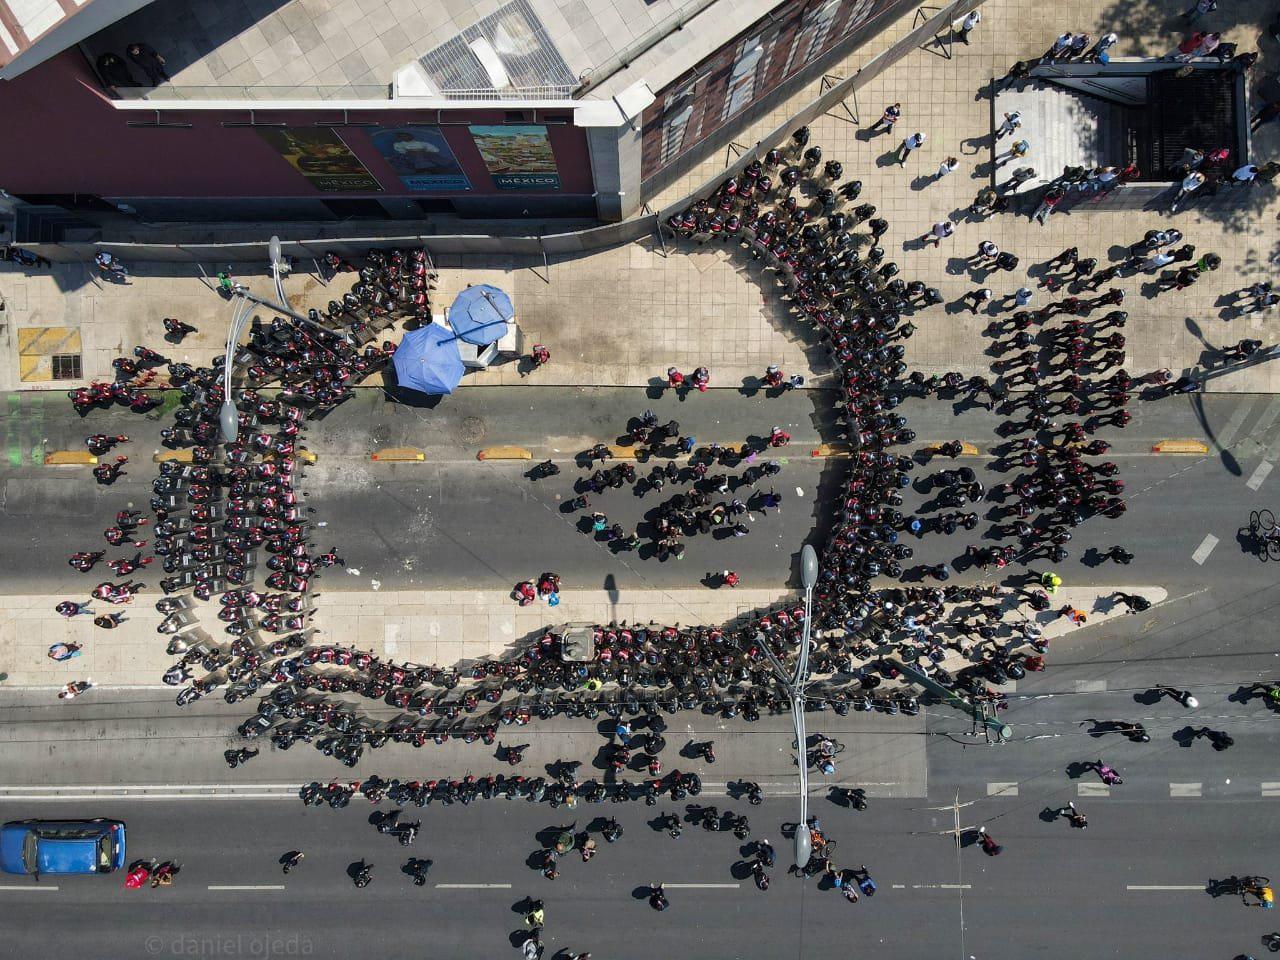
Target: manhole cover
x=473 y=429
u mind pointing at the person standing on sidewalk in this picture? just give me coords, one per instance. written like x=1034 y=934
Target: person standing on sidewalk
x=947 y=166
x=967 y=24
x=891 y=115
x=938 y=232
x=1053 y=196
x=1190 y=184
x=913 y=142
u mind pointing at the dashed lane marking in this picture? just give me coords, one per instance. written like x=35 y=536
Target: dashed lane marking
x=32 y=888
x=702 y=886
x=1271 y=788
x=1205 y=548
x=1002 y=789
x=245 y=886
x=1166 y=886
x=1185 y=790
x=1093 y=790
x=473 y=886
x=1090 y=686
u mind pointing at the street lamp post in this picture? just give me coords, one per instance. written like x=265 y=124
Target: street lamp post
x=228 y=417
x=795 y=684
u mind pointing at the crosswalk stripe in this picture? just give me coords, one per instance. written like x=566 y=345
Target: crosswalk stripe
x=1271 y=788
x=1259 y=474
x=1232 y=426
x=1002 y=789
x=1093 y=790
x=1205 y=548
x=1184 y=789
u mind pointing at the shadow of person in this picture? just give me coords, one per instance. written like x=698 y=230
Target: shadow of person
x=1185 y=736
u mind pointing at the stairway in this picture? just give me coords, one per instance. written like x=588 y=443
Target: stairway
x=35 y=223
x=1065 y=128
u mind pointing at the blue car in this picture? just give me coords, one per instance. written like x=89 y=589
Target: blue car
x=62 y=846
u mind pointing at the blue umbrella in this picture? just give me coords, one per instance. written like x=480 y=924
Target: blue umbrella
x=480 y=314
x=428 y=360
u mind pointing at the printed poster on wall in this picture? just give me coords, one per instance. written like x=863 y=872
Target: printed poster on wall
x=320 y=155
x=518 y=156
x=421 y=158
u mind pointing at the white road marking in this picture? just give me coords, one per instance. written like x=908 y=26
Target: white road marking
x=473 y=886
x=942 y=886
x=1229 y=430
x=1093 y=790
x=1165 y=886
x=1184 y=789
x=1271 y=788
x=1090 y=686
x=1260 y=473
x=1205 y=548
x=1002 y=789
x=702 y=886
x=37 y=887
x=235 y=886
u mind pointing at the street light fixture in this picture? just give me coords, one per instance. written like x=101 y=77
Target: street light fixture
x=795 y=684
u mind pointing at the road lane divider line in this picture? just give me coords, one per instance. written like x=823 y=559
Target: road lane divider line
x=1166 y=886
x=1093 y=790
x=37 y=887
x=1185 y=790
x=1206 y=547
x=702 y=886
x=245 y=886
x=1271 y=788
x=473 y=886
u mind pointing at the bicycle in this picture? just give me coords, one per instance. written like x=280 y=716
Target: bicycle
x=1263 y=529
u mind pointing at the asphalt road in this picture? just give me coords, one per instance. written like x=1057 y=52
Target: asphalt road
x=453 y=522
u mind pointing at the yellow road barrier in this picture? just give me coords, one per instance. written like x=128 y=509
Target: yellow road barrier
x=69 y=458
x=831 y=450
x=182 y=456
x=504 y=453
x=966 y=449
x=1180 y=446
x=400 y=454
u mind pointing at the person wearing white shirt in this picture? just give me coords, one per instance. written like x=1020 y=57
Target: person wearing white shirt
x=1012 y=121
x=967 y=25
x=1245 y=174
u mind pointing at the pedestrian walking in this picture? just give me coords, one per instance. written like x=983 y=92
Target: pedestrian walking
x=1265 y=114
x=1048 y=203
x=63 y=651
x=1020 y=70
x=1190 y=184
x=1059 y=48
x=938 y=232
x=1012 y=121
x=1098 y=53
x=150 y=62
x=947 y=166
x=966 y=26
x=987 y=250
x=1246 y=174
x=980 y=298
x=1079 y=43
x=1022 y=297
x=913 y=142
x=892 y=114
x=1198 y=9
x=1019 y=150
x=70 y=608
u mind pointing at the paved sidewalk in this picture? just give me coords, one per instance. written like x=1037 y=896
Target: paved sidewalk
x=442 y=627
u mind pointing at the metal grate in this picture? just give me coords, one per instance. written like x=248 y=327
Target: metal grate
x=66 y=366
x=530 y=58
